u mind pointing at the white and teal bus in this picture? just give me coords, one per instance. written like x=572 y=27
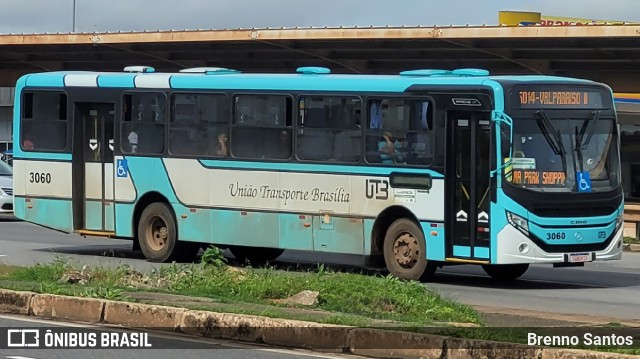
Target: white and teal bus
x=415 y=170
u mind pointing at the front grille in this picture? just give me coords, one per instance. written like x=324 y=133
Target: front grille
x=573 y=212
x=8 y=191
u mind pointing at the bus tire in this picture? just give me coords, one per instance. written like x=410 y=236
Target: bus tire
x=405 y=250
x=505 y=272
x=157 y=233
x=255 y=255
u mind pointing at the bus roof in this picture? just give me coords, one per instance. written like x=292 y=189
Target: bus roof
x=306 y=79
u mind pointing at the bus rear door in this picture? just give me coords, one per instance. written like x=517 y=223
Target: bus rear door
x=93 y=167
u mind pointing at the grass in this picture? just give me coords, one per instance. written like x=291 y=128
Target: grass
x=349 y=294
x=344 y=298
x=630 y=240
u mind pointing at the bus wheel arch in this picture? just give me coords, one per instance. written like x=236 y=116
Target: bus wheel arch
x=398 y=236
x=156 y=231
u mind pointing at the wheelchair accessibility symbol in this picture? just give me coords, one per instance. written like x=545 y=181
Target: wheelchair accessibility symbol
x=121 y=168
x=584 y=182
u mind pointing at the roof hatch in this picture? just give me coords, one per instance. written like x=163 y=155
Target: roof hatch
x=142 y=69
x=209 y=70
x=313 y=70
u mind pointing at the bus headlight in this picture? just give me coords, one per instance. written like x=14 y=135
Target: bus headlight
x=518 y=222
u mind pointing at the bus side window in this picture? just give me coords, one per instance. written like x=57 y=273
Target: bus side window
x=400 y=131
x=44 y=122
x=262 y=127
x=199 y=125
x=420 y=137
x=328 y=129
x=144 y=134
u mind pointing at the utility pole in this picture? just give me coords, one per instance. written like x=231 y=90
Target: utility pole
x=74 y=16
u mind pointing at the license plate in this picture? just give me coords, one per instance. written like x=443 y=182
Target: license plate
x=579 y=257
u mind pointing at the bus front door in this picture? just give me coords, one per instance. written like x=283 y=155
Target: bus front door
x=93 y=156
x=468 y=186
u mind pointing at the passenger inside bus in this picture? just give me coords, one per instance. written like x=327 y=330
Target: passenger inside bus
x=391 y=150
x=27 y=143
x=222 y=150
x=281 y=148
x=133 y=140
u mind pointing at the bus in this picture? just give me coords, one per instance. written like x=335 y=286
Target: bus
x=410 y=172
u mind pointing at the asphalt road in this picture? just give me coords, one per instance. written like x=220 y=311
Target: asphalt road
x=603 y=288
x=180 y=346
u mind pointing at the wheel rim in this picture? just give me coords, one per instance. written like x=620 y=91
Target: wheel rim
x=157 y=233
x=406 y=250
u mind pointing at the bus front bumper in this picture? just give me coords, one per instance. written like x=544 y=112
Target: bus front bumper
x=511 y=242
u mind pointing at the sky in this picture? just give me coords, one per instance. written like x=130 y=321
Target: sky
x=51 y=16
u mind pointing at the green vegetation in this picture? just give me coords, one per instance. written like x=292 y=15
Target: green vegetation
x=344 y=298
x=382 y=299
x=630 y=240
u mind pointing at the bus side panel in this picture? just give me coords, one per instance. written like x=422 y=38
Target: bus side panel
x=245 y=228
x=44 y=188
x=51 y=213
x=19 y=208
x=295 y=232
x=435 y=239
x=124 y=218
x=194 y=225
x=368 y=236
x=141 y=175
x=338 y=235
x=125 y=195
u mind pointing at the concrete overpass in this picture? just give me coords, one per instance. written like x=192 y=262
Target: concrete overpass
x=600 y=52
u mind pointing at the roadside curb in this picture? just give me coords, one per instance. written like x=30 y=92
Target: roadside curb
x=631 y=247
x=377 y=343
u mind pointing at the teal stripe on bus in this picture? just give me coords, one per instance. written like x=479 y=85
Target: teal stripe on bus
x=116 y=80
x=40 y=156
x=288 y=82
x=51 y=79
x=315 y=168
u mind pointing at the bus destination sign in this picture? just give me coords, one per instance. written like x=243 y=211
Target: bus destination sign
x=535 y=98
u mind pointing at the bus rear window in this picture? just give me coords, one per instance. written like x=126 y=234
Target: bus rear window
x=44 y=121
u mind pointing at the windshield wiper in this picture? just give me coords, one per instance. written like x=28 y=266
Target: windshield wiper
x=548 y=131
x=592 y=125
x=556 y=141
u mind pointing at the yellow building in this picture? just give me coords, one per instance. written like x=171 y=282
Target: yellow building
x=527 y=18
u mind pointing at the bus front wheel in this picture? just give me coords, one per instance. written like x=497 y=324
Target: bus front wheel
x=405 y=251
x=157 y=233
x=505 y=272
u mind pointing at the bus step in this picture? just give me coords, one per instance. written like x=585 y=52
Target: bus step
x=85 y=232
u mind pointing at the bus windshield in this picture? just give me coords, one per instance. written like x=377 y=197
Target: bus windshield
x=559 y=153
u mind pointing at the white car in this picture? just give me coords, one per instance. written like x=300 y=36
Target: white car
x=6 y=188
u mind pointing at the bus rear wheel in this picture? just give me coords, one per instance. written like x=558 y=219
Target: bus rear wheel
x=158 y=238
x=505 y=272
x=405 y=251
x=255 y=255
